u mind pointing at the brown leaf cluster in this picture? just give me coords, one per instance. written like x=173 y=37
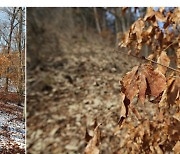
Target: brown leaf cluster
x=159 y=132
x=151 y=136
x=143 y=80
x=146 y=31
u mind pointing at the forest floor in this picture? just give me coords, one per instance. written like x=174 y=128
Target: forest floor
x=72 y=89
x=12 y=129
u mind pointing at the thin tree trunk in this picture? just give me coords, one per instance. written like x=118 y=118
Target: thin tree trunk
x=97 y=20
x=20 y=87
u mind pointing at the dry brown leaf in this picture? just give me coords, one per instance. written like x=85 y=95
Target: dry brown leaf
x=91 y=147
x=137 y=28
x=176 y=148
x=160 y=16
x=177 y=116
x=125 y=40
x=164 y=60
x=130 y=84
x=178 y=58
x=149 y=14
x=142 y=87
x=124 y=108
x=143 y=80
x=161 y=9
x=156 y=80
x=173 y=90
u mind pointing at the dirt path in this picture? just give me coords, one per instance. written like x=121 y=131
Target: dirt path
x=70 y=92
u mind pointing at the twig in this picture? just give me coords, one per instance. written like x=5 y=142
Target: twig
x=176 y=41
x=161 y=64
x=144 y=58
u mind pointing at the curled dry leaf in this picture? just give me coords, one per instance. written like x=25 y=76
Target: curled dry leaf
x=143 y=80
x=91 y=147
x=124 y=108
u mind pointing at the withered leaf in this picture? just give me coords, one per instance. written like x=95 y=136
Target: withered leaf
x=164 y=60
x=149 y=14
x=176 y=148
x=160 y=16
x=137 y=29
x=155 y=79
x=142 y=87
x=130 y=84
x=143 y=80
x=124 y=108
x=177 y=116
x=91 y=147
x=173 y=90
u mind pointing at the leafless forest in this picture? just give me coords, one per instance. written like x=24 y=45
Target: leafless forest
x=12 y=80
x=103 y=80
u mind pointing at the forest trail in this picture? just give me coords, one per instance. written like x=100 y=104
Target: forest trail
x=70 y=91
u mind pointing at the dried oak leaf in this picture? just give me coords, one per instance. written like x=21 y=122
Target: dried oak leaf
x=91 y=147
x=143 y=80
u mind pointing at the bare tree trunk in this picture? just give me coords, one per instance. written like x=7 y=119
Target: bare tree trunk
x=97 y=20
x=118 y=26
x=20 y=87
